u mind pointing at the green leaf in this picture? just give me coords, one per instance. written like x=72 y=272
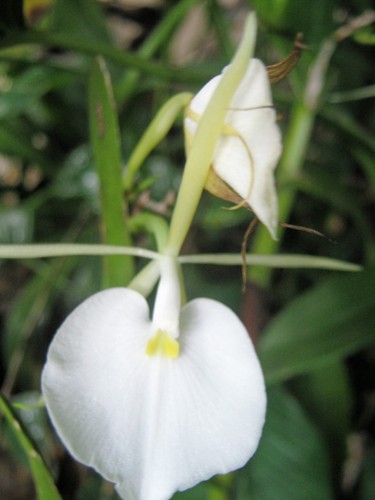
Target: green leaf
x=365 y=159
x=291 y=261
x=154 y=134
x=82 y=17
x=105 y=140
x=45 y=487
x=200 y=492
x=216 y=489
x=325 y=394
x=327 y=323
x=40 y=250
x=291 y=461
x=32 y=307
x=93 y=47
x=158 y=37
x=28 y=87
x=365 y=37
x=351 y=127
x=30 y=409
x=285 y=15
x=14 y=143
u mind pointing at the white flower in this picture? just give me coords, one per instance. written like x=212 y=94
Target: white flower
x=250 y=145
x=158 y=405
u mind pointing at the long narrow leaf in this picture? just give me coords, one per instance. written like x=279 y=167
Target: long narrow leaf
x=120 y=57
x=279 y=260
x=44 y=485
x=37 y=251
x=105 y=139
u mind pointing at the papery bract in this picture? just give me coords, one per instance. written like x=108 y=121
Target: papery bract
x=154 y=424
x=250 y=145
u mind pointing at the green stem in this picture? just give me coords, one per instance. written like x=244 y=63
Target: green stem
x=44 y=485
x=41 y=250
x=353 y=95
x=296 y=144
x=299 y=135
x=145 y=281
x=106 y=147
x=154 y=133
x=220 y=24
x=287 y=261
x=155 y=40
x=71 y=42
x=153 y=224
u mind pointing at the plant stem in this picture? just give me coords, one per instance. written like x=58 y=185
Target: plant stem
x=296 y=144
x=127 y=59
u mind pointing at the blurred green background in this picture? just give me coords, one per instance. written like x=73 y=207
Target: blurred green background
x=314 y=329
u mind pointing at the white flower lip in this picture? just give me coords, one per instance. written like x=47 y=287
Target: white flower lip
x=151 y=424
x=250 y=146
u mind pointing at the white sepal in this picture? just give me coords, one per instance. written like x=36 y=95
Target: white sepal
x=250 y=145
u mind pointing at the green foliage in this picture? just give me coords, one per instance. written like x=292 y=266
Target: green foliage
x=291 y=452
x=325 y=324
x=45 y=487
x=105 y=139
x=69 y=123
x=79 y=17
x=315 y=23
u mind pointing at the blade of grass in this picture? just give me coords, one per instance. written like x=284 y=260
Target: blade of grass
x=160 y=35
x=105 y=140
x=289 y=261
x=299 y=135
x=44 y=485
x=127 y=59
x=35 y=301
x=41 y=250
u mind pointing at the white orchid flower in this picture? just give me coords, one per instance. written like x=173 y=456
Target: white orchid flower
x=249 y=148
x=155 y=405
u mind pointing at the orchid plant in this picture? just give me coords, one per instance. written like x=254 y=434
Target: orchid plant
x=158 y=402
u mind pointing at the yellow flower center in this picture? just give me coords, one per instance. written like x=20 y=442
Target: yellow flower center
x=163 y=344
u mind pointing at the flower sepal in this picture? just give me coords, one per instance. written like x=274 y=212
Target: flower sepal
x=249 y=147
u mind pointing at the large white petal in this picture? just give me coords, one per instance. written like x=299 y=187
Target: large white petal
x=154 y=425
x=252 y=116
